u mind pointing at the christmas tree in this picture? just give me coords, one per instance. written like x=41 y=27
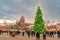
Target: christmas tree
x=38 y=23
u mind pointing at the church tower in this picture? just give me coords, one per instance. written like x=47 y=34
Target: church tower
x=22 y=21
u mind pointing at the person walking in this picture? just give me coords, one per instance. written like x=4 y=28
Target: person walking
x=23 y=33
x=32 y=33
x=0 y=32
x=51 y=33
x=44 y=35
x=28 y=35
x=37 y=35
x=13 y=34
x=58 y=33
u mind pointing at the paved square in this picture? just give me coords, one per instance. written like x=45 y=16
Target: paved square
x=6 y=36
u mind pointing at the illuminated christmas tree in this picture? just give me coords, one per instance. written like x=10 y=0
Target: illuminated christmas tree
x=38 y=23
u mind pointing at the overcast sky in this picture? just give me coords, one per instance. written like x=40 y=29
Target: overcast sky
x=13 y=9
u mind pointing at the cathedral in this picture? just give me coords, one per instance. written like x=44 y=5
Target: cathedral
x=22 y=24
x=22 y=21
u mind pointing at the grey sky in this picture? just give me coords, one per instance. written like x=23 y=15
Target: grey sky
x=13 y=9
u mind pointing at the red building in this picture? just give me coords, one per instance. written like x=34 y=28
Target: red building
x=22 y=22
x=2 y=27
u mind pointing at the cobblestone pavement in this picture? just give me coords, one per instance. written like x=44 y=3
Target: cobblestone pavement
x=20 y=37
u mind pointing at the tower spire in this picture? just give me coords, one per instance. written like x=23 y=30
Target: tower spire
x=22 y=14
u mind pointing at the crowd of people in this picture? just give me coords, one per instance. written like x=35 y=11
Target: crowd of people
x=33 y=34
